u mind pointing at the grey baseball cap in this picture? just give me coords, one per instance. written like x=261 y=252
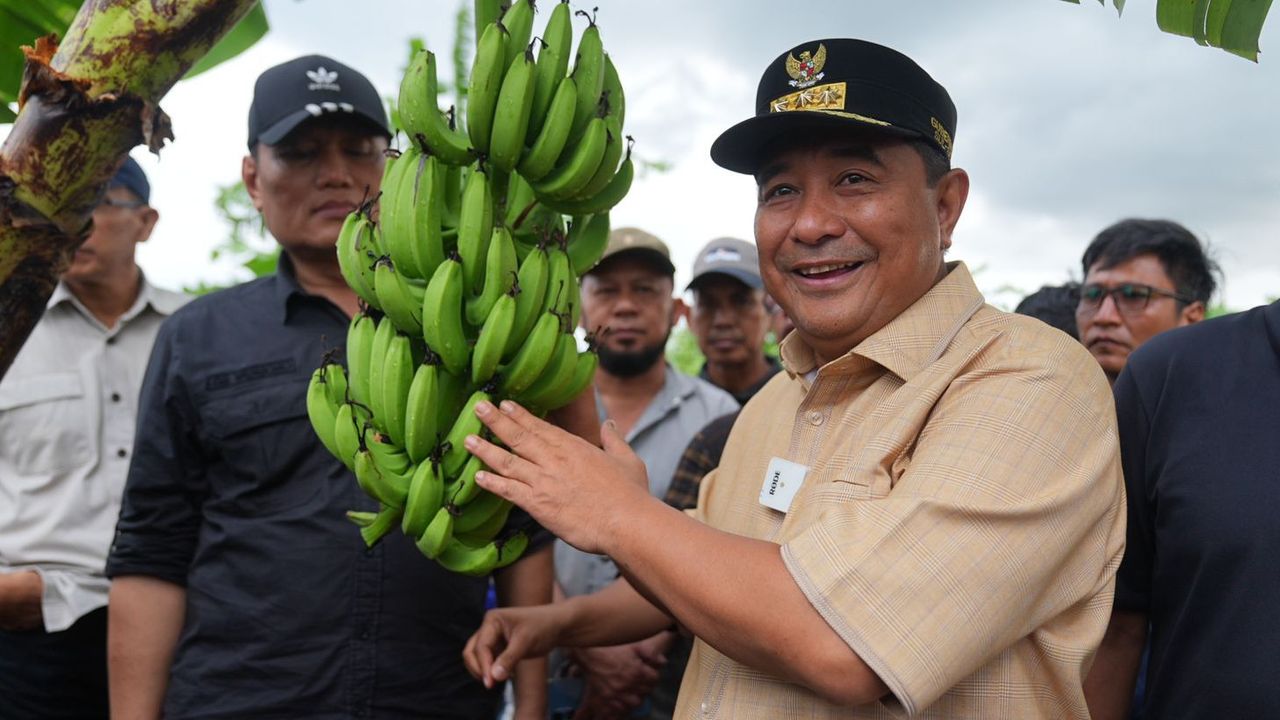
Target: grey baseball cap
x=636 y=242
x=736 y=258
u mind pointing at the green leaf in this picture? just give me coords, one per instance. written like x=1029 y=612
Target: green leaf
x=21 y=22
x=1233 y=25
x=1243 y=26
x=248 y=31
x=6 y=113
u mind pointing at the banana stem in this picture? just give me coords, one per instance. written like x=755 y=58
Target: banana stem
x=83 y=105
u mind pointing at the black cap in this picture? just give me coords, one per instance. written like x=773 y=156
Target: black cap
x=310 y=86
x=131 y=177
x=840 y=82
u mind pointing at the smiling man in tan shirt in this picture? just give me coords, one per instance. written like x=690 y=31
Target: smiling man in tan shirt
x=922 y=515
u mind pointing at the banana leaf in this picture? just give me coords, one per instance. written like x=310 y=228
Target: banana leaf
x=1233 y=25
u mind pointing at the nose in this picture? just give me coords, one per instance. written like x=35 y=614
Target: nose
x=1108 y=313
x=334 y=168
x=817 y=219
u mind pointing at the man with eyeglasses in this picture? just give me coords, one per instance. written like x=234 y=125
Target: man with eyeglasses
x=67 y=411
x=1141 y=278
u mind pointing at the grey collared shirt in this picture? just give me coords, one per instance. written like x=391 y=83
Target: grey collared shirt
x=680 y=409
x=67 y=408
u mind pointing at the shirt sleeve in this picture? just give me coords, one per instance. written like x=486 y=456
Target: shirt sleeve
x=1133 y=581
x=1006 y=512
x=699 y=458
x=160 y=515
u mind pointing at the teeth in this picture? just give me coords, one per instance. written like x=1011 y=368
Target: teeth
x=818 y=269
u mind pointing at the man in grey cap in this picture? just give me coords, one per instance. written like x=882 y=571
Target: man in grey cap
x=630 y=295
x=67 y=410
x=729 y=317
x=240 y=589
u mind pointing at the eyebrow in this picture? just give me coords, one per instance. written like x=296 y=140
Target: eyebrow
x=854 y=151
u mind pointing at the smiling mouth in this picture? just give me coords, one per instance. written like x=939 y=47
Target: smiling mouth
x=825 y=271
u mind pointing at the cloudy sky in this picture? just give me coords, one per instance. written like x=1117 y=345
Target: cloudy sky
x=1069 y=119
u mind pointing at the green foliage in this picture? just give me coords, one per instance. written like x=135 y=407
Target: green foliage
x=684 y=355
x=246 y=242
x=1233 y=25
x=248 y=31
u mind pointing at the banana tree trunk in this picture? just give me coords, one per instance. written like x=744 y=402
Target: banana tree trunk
x=83 y=105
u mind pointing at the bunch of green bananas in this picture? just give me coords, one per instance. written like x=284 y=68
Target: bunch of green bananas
x=468 y=271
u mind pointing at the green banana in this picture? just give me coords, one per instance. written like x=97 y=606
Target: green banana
x=421 y=415
x=614 y=146
x=485 y=84
x=562 y=285
x=455 y=456
x=575 y=171
x=518 y=20
x=475 y=227
x=518 y=201
x=420 y=114
x=493 y=338
x=511 y=549
x=386 y=488
x=588 y=71
x=437 y=534
x=486 y=530
x=381 y=341
x=321 y=410
x=479 y=511
x=555 y=376
x=532 y=357
x=397 y=377
x=357 y=246
x=426 y=493
x=362 y=518
x=428 y=211
x=442 y=315
x=377 y=527
x=464 y=559
x=553 y=134
x=588 y=237
x=584 y=371
x=464 y=489
x=453 y=184
x=359 y=346
x=612 y=92
x=348 y=426
x=390 y=458
x=500 y=270
x=612 y=193
x=553 y=62
x=532 y=280
x=396 y=212
x=485 y=12
x=400 y=296
x=511 y=116
x=455 y=389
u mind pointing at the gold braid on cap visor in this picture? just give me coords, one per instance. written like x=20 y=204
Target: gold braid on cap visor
x=828 y=99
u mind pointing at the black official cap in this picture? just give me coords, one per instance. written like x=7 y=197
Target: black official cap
x=839 y=82
x=306 y=87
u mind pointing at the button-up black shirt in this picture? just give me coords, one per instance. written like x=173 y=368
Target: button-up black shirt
x=231 y=495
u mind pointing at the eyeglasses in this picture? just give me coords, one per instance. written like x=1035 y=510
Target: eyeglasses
x=112 y=202
x=1130 y=298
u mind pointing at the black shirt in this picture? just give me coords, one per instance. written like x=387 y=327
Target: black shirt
x=773 y=367
x=231 y=495
x=1199 y=416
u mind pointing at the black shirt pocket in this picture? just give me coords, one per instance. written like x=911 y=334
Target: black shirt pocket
x=260 y=434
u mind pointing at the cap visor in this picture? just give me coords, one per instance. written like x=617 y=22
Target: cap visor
x=290 y=122
x=752 y=281
x=740 y=147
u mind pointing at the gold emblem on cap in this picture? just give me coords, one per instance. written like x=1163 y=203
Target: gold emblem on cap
x=941 y=135
x=822 y=97
x=807 y=70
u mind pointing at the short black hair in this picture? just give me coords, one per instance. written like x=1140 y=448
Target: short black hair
x=1054 y=305
x=1181 y=254
x=935 y=163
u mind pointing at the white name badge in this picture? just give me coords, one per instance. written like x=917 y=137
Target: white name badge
x=781 y=483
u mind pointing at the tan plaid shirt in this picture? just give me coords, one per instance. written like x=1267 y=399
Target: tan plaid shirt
x=960 y=523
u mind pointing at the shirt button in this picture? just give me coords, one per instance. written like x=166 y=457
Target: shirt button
x=815 y=417
x=704 y=709
x=115 y=397
x=111 y=340
x=121 y=452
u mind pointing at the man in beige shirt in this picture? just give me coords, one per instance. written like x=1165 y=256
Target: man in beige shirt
x=922 y=515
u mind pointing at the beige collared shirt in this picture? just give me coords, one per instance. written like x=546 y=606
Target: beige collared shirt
x=960 y=522
x=67 y=409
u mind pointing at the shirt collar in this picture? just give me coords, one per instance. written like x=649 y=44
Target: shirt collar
x=164 y=303
x=286 y=286
x=910 y=342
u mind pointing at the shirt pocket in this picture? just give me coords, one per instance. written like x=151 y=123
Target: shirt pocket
x=261 y=435
x=45 y=426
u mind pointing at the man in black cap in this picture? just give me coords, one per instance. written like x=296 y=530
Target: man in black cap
x=240 y=589
x=922 y=516
x=67 y=410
